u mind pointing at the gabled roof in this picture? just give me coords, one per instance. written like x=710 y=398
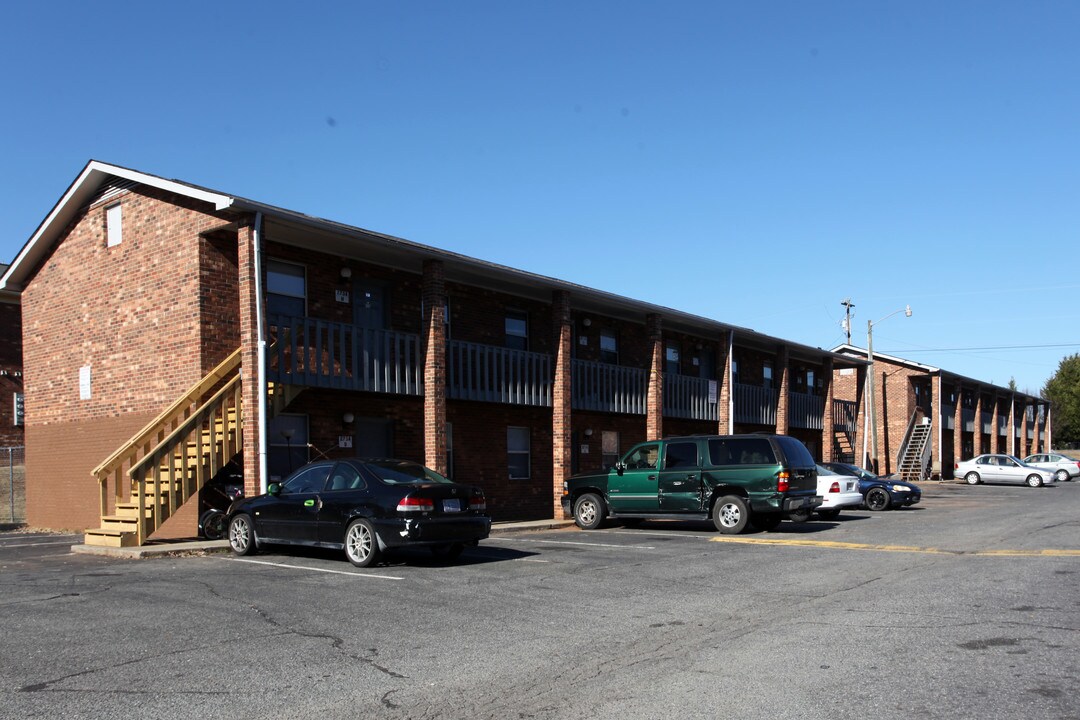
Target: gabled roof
x=89 y=182
x=861 y=353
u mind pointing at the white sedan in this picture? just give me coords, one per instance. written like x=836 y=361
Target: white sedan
x=838 y=491
x=1064 y=467
x=998 y=468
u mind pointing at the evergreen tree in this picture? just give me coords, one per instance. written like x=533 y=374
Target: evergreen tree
x=1063 y=391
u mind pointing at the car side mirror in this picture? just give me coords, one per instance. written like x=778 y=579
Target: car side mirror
x=273 y=489
x=619 y=467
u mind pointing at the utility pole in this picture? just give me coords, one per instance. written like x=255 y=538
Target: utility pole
x=848 y=307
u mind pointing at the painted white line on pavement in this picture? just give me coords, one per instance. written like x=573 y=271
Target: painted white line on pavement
x=322 y=570
x=13 y=545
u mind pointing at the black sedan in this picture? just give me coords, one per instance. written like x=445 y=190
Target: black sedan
x=365 y=507
x=879 y=493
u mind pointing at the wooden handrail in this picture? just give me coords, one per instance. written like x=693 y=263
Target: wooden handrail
x=111 y=463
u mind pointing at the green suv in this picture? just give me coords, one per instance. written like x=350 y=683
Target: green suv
x=735 y=480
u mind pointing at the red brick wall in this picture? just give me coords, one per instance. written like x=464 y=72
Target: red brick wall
x=133 y=313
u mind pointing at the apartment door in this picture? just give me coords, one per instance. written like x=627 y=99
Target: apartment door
x=373 y=438
x=369 y=304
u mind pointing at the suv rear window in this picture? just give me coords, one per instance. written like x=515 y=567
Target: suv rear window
x=795 y=452
x=741 y=451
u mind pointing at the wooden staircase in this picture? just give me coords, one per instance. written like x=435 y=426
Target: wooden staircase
x=167 y=462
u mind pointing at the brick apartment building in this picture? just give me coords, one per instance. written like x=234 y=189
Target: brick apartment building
x=929 y=418
x=168 y=328
x=11 y=385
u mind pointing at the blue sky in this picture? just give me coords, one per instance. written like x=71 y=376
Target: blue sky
x=752 y=162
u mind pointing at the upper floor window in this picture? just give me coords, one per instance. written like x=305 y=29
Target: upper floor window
x=517 y=330
x=671 y=359
x=609 y=347
x=114 y=225
x=286 y=289
x=767 y=374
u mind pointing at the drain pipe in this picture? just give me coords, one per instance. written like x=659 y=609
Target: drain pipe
x=260 y=332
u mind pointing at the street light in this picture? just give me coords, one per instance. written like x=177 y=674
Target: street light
x=870 y=402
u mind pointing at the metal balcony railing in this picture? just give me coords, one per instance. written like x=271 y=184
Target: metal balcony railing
x=806 y=411
x=690 y=397
x=755 y=405
x=495 y=374
x=603 y=387
x=320 y=353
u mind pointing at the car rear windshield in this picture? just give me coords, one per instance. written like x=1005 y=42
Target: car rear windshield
x=404 y=473
x=795 y=452
x=741 y=451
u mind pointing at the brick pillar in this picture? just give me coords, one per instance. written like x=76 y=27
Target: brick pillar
x=725 y=425
x=978 y=427
x=1049 y=435
x=561 y=398
x=433 y=292
x=995 y=444
x=783 y=425
x=1011 y=444
x=1035 y=430
x=936 y=422
x=251 y=384
x=828 y=429
x=654 y=419
x=861 y=447
x=958 y=426
x=1022 y=450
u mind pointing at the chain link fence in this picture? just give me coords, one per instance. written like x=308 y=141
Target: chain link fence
x=12 y=484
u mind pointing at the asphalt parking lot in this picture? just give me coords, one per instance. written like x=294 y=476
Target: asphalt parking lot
x=962 y=607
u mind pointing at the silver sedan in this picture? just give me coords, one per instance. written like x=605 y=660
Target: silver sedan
x=995 y=468
x=1064 y=467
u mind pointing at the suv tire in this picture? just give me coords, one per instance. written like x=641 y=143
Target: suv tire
x=731 y=514
x=589 y=511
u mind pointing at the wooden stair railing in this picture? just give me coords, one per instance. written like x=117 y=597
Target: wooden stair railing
x=176 y=421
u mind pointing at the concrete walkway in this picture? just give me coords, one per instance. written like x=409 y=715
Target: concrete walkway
x=184 y=547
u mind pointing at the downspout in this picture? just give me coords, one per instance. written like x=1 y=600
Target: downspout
x=261 y=348
x=731 y=383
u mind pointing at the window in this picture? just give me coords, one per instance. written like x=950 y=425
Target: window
x=450 y=450
x=345 y=477
x=286 y=289
x=609 y=347
x=311 y=480
x=287 y=437
x=643 y=456
x=609 y=448
x=767 y=374
x=680 y=455
x=810 y=381
x=734 y=370
x=741 y=451
x=517 y=452
x=517 y=330
x=114 y=225
x=671 y=359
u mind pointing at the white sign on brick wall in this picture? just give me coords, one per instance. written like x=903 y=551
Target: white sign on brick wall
x=84 y=382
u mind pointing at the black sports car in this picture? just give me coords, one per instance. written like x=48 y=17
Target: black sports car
x=364 y=506
x=880 y=493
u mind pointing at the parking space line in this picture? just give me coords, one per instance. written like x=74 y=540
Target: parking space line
x=322 y=570
x=601 y=545
x=39 y=544
x=893 y=548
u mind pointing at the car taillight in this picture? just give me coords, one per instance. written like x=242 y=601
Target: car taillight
x=478 y=502
x=835 y=487
x=415 y=504
x=783 y=481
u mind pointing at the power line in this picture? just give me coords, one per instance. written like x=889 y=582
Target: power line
x=995 y=347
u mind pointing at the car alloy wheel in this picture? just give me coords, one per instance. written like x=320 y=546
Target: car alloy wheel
x=1034 y=480
x=1061 y=476
x=242 y=535
x=731 y=514
x=361 y=544
x=972 y=478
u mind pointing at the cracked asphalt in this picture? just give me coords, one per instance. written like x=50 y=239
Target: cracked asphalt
x=971 y=619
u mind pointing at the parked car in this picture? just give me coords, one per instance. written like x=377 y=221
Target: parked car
x=364 y=507
x=1064 y=467
x=998 y=468
x=837 y=492
x=880 y=493
x=735 y=480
